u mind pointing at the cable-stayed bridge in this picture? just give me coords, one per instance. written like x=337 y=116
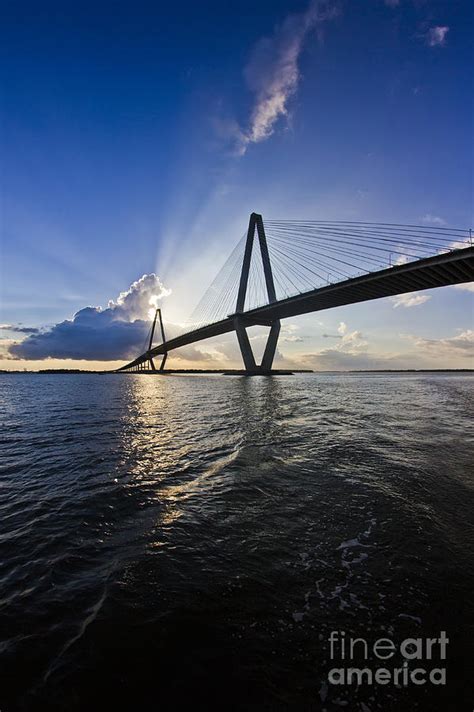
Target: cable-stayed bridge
x=284 y=268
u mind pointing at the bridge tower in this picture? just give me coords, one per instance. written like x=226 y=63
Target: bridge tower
x=163 y=341
x=241 y=320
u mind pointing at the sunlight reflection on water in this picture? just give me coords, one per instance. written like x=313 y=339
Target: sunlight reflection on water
x=239 y=519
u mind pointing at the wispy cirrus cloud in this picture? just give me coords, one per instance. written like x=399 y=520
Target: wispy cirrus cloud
x=292 y=339
x=436 y=36
x=272 y=73
x=462 y=344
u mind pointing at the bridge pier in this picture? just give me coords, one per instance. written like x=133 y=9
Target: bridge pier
x=270 y=348
x=245 y=347
x=251 y=366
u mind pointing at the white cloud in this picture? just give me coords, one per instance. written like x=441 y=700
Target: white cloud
x=292 y=339
x=141 y=297
x=429 y=219
x=459 y=244
x=436 y=36
x=351 y=352
x=348 y=340
x=400 y=260
x=288 y=334
x=467 y=286
x=392 y=3
x=460 y=345
x=289 y=328
x=409 y=300
x=117 y=332
x=353 y=341
x=335 y=360
x=450 y=352
x=273 y=74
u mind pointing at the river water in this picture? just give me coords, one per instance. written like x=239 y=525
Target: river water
x=187 y=542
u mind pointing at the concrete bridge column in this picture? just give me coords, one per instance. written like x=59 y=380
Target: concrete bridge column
x=245 y=347
x=270 y=348
x=256 y=223
x=163 y=341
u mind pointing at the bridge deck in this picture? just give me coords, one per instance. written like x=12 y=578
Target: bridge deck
x=442 y=270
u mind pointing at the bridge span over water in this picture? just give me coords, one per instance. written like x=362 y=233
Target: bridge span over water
x=300 y=254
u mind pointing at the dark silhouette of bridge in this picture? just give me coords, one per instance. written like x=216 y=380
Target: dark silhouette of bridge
x=302 y=253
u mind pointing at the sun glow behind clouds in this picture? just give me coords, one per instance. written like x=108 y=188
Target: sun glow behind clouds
x=155 y=299
x=116 y=332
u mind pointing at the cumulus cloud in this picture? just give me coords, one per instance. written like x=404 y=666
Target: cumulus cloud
x=273 y=74
x=436 y=36
x=140 y=299
x=116 y=332
x=409 y=300
x=348 y=340
x=351 y=352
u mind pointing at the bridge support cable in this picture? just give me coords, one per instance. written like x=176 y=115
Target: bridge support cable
x=309 y=254
x=219 y=298
x=303 y=266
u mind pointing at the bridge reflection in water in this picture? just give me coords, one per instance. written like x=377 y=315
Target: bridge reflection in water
x=306 y=266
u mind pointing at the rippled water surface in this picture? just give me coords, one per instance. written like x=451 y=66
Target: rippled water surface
x=178 y=542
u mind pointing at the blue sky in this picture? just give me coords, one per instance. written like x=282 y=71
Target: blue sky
x=137 y=138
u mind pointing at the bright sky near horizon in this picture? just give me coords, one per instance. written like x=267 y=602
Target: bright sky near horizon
x=137 y=138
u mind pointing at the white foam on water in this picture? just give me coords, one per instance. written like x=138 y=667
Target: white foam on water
x=359 y=558
x=413 y=618
x=93 y=612
x=350 y=544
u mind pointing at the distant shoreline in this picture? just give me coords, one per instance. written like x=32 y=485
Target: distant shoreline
x=75 y=371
